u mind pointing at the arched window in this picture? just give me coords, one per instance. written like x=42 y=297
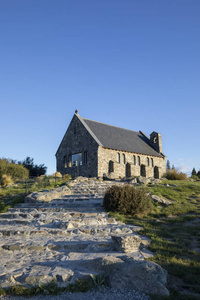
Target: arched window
x=152 y=162
x=69 y=161
x=147 y=161
x=134 y=160
x=65 y=161
x=138 y=161
x=118 y=157
x=124 y=159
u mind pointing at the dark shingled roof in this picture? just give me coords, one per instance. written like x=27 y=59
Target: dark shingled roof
x=121 y=139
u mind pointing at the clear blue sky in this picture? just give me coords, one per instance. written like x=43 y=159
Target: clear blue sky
x=130 y=63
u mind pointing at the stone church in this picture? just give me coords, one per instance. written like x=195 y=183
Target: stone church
x=94 y=149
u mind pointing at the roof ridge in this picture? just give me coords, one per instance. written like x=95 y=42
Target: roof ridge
x=111 y=125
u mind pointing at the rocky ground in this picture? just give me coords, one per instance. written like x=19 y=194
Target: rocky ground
x=64 y=235
x=96 y=294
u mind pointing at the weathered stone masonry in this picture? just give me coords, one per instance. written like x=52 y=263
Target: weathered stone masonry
x=83 y=152
x=120 y=168
x=77 y=140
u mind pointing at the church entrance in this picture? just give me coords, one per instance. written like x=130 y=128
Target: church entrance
x=156 y=172
x=143 y=171
x=111 y=167
x=128 y=170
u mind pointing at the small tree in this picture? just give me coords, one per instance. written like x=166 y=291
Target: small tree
x=198 y=173
x=194 y=172
x=34 y=170
x=173 y=168
x=168 y=165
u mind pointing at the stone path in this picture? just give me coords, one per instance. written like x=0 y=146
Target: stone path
x=60 y=239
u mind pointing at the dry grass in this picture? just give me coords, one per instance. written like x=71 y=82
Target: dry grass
x=6 y=180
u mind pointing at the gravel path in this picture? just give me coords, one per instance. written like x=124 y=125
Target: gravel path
x=97 y=294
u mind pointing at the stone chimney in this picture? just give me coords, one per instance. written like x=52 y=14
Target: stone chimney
x=156 y=141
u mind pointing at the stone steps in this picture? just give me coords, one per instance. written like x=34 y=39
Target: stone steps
x=83 y=246
x=54 y=238
x=100 y=230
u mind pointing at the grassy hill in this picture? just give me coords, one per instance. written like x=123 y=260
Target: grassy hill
x=175 y=234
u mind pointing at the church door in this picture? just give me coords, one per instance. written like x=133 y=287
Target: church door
x=143 y=171
x=156 y=172
x=111 y=166
x=128 y=170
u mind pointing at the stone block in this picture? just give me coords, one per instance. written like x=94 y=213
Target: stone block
x=126 y=243
x=160 y=200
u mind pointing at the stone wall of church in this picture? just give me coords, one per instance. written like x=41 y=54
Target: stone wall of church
x=77 y=140
x=124 y=163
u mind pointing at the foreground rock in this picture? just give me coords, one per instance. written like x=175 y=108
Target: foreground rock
x=47 y=196
x=125 y=273
x=160 y=200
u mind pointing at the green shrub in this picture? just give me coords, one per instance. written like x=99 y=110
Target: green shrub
x=174 y=175
x=2 y=292
x=2 y=206
x=127 y=200
x=195 y=177
x=19 y=290
x=80 y=286
x=15 y=171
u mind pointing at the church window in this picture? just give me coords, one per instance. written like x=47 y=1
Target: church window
x=65 y=161
x=152 y=162
x=134 y=160
x=118 y=158
x=69 y=161
x=138 y=161
x=124 y=158
x=147 y=161
x=77 y=159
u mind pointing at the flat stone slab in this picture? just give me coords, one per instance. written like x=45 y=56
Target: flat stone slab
x=160 y=200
